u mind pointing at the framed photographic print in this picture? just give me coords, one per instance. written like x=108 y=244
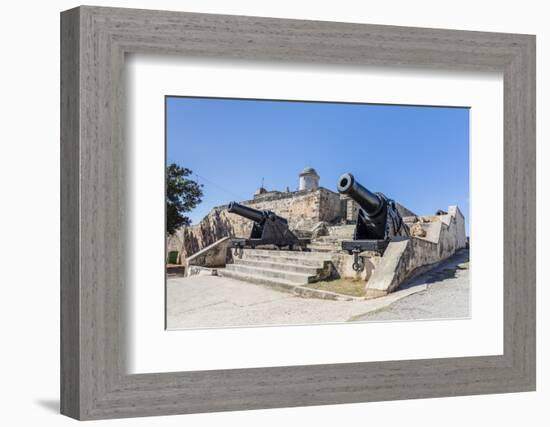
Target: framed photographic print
x=341 y=248
x=262 y=213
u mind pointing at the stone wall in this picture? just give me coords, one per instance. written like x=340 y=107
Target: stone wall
x=330 y=207
x=217 y=224
x=303 y=209
x=445 y=234
x=350 y=209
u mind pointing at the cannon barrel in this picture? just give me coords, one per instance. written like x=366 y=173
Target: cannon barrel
x=247 y=212
x=370 y=202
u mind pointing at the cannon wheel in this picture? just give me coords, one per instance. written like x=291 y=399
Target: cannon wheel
x=238 y=251
x=358 y=261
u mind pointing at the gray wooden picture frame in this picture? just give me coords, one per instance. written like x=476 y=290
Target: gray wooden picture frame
x=94 y=382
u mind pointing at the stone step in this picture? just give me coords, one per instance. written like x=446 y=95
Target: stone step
x=328 y=239
x=286 y=276
x=313 y=261
x=324 y=248
x=286 y=286
x=283 y=254
x=325 y=243
x=271 y=264
x=275 y=283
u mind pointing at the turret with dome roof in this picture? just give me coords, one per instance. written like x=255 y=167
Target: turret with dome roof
x=309 y=179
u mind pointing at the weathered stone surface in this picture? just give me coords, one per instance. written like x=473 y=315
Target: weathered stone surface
x=216 y=225
x=320 y=229
x=416 y=230
x=391 y=271
x=215 y=255
x=343 y=264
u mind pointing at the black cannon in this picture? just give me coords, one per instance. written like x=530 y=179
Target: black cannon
x=378 y=220
x=268 y=229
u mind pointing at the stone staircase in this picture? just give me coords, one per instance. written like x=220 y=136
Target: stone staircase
x=289 y=270
x=325 y=244
x=281 y=269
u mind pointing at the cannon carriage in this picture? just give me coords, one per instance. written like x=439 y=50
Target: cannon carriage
x=378 y=220
x=268 y=229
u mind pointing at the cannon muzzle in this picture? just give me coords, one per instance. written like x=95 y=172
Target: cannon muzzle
x=247 y=212
x=370 y=202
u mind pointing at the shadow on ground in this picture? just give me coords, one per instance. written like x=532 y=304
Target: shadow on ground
x=445 y=270
x=51 y=405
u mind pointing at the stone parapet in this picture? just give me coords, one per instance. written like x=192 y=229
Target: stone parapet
x=445 y=234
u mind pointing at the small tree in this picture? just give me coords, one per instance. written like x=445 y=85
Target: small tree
x=182 y=195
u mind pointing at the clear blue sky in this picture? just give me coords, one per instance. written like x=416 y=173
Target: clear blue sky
x=418 y=156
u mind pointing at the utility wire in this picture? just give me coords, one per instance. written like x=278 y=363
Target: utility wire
x=221 y=187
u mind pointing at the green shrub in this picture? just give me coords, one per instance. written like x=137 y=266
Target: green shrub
x=173 y=257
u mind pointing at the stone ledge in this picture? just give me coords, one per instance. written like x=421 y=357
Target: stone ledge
x=280 y=196
x=374 y=293
x=214 y=255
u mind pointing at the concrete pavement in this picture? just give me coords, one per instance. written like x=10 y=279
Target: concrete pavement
x=211 y=301
x=447 y=295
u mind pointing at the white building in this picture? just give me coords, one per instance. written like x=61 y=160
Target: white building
x=309 y=179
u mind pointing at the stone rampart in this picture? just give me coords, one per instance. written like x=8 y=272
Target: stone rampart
x=303 y=210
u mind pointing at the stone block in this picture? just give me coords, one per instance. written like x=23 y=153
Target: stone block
x=214 y=255
x=320 y=229
x=391 y=270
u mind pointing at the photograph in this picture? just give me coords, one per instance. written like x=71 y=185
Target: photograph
x=285 y=212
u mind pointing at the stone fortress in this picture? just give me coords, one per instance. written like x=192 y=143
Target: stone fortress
x=326 y=217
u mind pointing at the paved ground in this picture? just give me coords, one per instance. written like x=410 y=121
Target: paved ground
x=211 y=301
x=447 y=295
